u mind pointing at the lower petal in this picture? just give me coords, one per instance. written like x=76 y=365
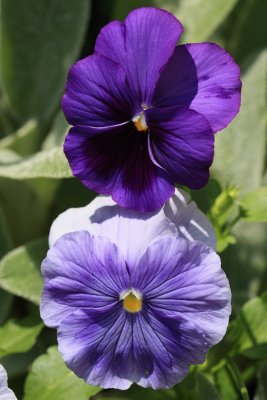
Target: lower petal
x=182 y=142
x=91 y=342
x=116 y=161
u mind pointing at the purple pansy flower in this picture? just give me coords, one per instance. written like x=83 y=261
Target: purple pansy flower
x=144 y=111
x=5 y=392
x=131 y=298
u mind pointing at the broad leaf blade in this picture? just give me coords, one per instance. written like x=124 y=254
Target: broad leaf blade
x=240 y=149
x=44 y=164
x=18 y=336
x=39 y=41
x=51 y=379
x=20 y=270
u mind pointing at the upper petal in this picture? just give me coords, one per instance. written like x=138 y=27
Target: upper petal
x=97 y=93
x=110 y=42
x=129 y=230
x=150 y=36
x=204 y=77
x=190 y=222
x=182 y=143
x=81 y=270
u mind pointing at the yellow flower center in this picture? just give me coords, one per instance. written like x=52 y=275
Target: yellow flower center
x=132 y=301
x=140 y=122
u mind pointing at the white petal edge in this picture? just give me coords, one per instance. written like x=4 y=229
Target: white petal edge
x=5 y=392
x=132 y=231
x=190 y=222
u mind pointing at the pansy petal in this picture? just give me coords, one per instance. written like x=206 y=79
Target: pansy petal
x=110 y=42
x=182 y=142
x=97 y=155
x=186 y=280
x=150 y=36
x=190 y=222
x=97 y=93
x=5 y=392
x=142 y=186
x=85 y=281
x=204 y=77
x=90 y=343
x=131 y=231
x=116 y=161
x=174 y=344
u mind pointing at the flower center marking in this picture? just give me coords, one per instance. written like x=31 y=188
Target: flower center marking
x=140 y=122
x=132 y=301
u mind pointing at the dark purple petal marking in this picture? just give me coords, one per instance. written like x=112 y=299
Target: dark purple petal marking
x=182 y=142
x=204 y=77
x=150 y=36
x=97 y=93
x=116 y=161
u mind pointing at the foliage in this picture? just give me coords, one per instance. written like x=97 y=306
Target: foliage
x=39 y=41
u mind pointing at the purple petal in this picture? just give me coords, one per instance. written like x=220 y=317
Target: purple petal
x=204 y=77
x=91 y=343
x=190 y=222
x=174 y=344
x=116 y=161
x=150 y=36
x=81 y=270
x=97 y=94
x=111 y=348
x=5 y=392
x=184 y=279
x=110 y=42
x=182 y=143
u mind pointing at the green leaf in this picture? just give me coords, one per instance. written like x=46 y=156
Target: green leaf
x=240 y=148
x=24 y=141
x=20 y=270
x=44 y=164
x=5 y=239
x=254 y=205
x=5 y=245
x=200 y=19
x=248 y=332
x=206 y=388
x=51 y=379
x=39 y=41
x=55 y=137
x=250 y=30
x=245 y=263
x=18 y=336
x=229 y=382
x=262 y=383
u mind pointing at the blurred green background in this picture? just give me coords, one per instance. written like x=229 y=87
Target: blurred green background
x=40 y=39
